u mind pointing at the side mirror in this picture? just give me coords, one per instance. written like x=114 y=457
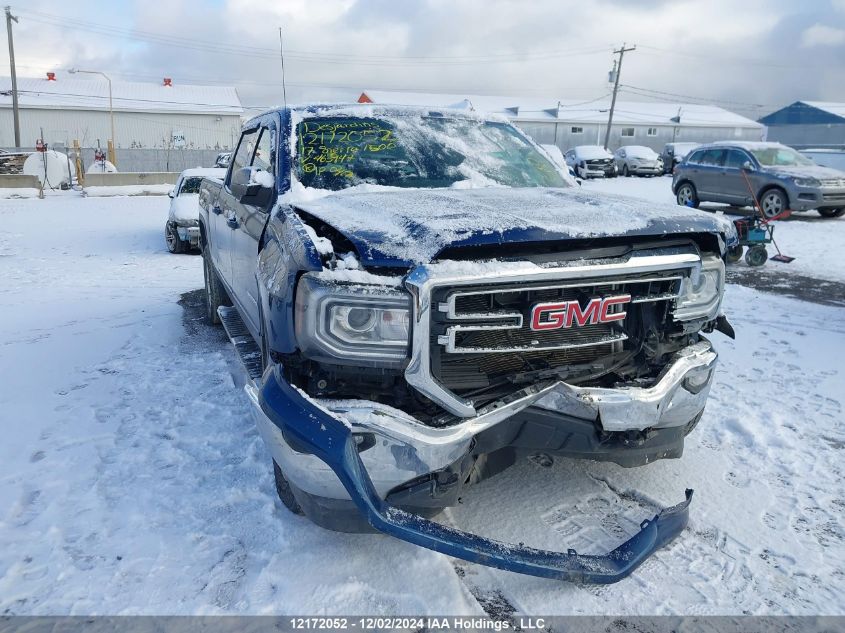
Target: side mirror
x=252 y=186
x=171 y=193
x=747 y=166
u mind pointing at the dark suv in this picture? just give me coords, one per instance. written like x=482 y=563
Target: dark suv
x=776 y=175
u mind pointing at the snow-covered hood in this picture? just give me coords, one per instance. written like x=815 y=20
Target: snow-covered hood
x=402 y=228
x=185 y=208
x=806 y=171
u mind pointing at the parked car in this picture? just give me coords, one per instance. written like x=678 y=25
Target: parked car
x=826 y=157
x=637 y=160
x=776 y=175
x=674 y=153
x=560 y=162
x=223 y=159
x=591 y=161
x=181 y=231
x=415 y=313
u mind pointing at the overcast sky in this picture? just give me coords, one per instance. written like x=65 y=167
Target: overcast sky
x=751 y=56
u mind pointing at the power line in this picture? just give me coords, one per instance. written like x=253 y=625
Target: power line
x=739 y=61
x=303 y=56
x=237 y=81
x=134 y=99
x=658 y=93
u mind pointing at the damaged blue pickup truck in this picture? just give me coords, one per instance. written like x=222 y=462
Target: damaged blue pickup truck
x=421 y=297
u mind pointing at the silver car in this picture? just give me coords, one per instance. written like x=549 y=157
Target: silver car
x=638 y=160
x=774 y=175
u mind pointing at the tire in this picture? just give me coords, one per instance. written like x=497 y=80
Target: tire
x=831 y=213
x=215 y=293
x=734 y=254
x=625 y=171
x=756 y=256
x=687 y=196
x=773 y=202
x=284 y=491
x=175 y=244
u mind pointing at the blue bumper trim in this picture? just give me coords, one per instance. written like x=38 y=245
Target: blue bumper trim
x=332 y=442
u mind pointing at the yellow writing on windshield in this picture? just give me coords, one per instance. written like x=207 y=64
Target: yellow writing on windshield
x=332 y=147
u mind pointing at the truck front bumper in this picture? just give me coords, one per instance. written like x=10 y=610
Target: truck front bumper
x=359 y=451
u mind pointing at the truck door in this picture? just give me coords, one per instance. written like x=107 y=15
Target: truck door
x=222 y=216
x=249 y=225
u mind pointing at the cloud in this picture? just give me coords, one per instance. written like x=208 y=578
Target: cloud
x=768 y=53
x=822 y=35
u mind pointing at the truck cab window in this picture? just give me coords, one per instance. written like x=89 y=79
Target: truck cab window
x=244 y=154
x=264 y=156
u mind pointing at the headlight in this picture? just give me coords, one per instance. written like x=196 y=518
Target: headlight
x=701 y=292
x=353 y=324
x=806 y=182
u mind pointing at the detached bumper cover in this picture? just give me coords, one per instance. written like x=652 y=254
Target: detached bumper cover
x=331 y=440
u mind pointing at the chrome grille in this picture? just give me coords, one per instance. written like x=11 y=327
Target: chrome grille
x=482 y=335
x=497 y=320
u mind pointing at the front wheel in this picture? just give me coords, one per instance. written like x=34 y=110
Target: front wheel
x=756 y=256
x=174 y=242
x=215 y=293
x=773 y=203
x=687 y=196
x=284 y=491
x=734 y=254
x=832 y=213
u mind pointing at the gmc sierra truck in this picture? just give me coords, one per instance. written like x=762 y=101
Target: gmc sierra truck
x=420 y=297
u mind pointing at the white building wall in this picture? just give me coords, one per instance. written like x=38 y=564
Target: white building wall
x=560 y=134
x=132 y=129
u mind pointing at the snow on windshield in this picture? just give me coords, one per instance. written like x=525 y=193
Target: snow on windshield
x=780 y=157
x=413 y=150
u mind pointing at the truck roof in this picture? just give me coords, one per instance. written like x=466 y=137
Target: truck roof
x=370 y=109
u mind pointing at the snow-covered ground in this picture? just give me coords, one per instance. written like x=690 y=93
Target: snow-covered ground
x=815 y=242
x=133 y=481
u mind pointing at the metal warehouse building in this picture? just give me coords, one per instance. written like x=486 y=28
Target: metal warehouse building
x=808 y=124
x=570 y=123
x=146 y=115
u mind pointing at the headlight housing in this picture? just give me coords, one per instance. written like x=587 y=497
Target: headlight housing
x=352 y=324
x=806 y=182
x=701 y=292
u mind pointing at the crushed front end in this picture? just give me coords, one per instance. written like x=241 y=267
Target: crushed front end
x=404 y=390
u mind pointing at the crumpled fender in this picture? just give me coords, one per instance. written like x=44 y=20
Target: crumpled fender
x=331 y=440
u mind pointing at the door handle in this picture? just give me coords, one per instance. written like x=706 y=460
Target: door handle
x=216 y=209
x=232 y=222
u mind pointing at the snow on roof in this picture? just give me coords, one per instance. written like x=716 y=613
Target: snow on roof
x=92 y=93
x=573 y=110
x=837 y=109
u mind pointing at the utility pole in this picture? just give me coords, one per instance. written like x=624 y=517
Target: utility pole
x=618 y=71
x=15 y=110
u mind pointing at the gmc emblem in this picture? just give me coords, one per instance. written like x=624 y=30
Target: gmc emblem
x=553 y=316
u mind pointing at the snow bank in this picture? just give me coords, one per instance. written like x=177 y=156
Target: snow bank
x=128 y=190
x=18 y=192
